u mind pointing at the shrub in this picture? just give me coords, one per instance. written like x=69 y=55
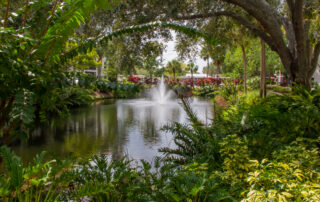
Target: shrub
x=119 y=90
x=61 y=99
x=253 y=83
x=293 y=175
x=205 y=91
x=279 y=89
x=134 y=79
x=229 y=90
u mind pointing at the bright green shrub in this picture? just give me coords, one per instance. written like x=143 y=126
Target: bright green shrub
x=293 y=176
x=253 y=83
x=236 y=158
x=279 y=89
x=229 y=91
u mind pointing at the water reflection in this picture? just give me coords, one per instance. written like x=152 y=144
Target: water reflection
x=115 y=127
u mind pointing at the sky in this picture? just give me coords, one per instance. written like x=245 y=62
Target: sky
x=170 y=54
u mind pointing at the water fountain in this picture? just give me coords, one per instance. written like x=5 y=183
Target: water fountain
x=130 y=126
x=161 y=94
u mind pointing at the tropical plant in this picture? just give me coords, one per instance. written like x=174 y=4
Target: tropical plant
x=30 y=56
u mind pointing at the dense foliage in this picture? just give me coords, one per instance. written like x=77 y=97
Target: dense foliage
x=233 y=62
x=119 y=90
x=255 y=150
x=33 y=82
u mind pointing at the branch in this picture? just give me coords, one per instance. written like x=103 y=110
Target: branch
x=253 y=28
x=7 y=14
x=90 y=43
x=264 y=14
x=290 y=35
x=52 y=15
x=297 y=19
x=25 y=15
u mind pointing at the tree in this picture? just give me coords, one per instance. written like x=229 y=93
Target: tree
x=33 y=40
x=212 y=69
x=192 y=68
x=218 y=57
x=241 y=38
x=205 y=55
x=175 y=68
x=151 y=53
x=288 y=27
x=233 y=63
x=84 y=61
x=263 y=84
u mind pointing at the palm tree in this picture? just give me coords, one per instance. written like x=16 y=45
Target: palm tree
x=174 y=66
x=192 y=68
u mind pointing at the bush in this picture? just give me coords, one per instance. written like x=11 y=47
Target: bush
x=279 y=89
x=253 y=83
x=119 y=90
x=61 y=99
x=205 y=91
x=229 y=90
x=134 y=79
x=293 y=175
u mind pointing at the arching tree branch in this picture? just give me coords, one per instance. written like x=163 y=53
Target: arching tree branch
x=264 y=14
x=253 y=28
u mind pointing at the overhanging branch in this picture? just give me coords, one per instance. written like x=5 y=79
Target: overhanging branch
x=253 y=28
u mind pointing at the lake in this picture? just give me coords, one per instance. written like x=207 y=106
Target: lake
x=120 y=127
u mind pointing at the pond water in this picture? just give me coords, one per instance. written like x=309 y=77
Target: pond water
x=115 y=127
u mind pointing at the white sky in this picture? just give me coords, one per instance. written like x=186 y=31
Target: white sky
x=170 y=54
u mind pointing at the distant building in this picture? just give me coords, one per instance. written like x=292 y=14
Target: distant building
x=202 y=76
x=197 y=76
x=99 y=72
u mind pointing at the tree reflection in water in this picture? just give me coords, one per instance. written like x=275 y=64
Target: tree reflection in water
x=115 y=127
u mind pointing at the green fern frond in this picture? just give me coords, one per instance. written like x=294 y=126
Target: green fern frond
x=13 y=166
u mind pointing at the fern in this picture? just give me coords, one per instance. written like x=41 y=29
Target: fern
x=71 y=14
x=13 y=166
x=23 y=109
x=194 y=141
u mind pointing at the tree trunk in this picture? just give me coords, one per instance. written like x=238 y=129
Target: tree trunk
x=218 y=67
x=208 y=66
x=100 y=68
x=300 y=75
x=191 y=77
x=263 y=87
x=244 y=56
